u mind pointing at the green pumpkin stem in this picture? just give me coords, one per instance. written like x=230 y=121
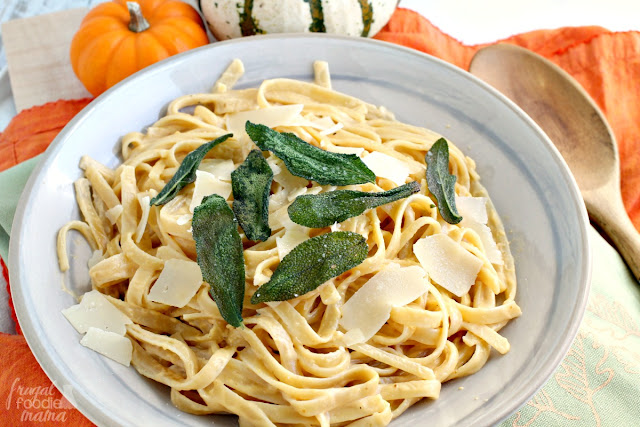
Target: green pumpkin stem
x=137 y=22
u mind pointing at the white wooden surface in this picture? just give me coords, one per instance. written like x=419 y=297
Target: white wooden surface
x=37 y=51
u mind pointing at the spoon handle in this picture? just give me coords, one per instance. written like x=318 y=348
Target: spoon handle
x=617 y=225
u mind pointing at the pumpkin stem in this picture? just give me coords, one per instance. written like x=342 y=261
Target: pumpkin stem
x=137 y=22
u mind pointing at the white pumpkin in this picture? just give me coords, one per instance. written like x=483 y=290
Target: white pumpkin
x=229 y=19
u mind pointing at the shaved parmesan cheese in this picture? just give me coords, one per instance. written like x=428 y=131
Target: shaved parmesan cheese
x=114 y=213
x=474 y=216
x=400 y=285
x=365 y=315
x=95 y=311
x=282 y=176
x=324 y=122
x=294 y=235
x=353 y=336
x=220 y=168
x=474 y=208
x=333 y=129
x=115 y=347
x=207 y=184
x=447 y=263
x=484 y=232
x=177 y=284
x=369 y=308
x=346 y=150
x=281 y=115
x=145 y=206
x=388 y=167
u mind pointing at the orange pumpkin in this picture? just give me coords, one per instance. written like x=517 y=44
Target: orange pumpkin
x=118 y=38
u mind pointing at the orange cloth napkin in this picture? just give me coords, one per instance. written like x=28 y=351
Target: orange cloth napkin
x=27 y=397
x=607 y=64
x=31 y=131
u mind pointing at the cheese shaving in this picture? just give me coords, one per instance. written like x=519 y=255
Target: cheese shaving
x=474 y=216
x=207 y=184
x=220 y=168
x=386 y=166
x=177 y=284
x=282 y=176
x=474 y=208
x=369 y=308
x=333 y=129
x=484 y=232
x=294 y=235
x=96 y=311
x=114 y=346
x=447 y=263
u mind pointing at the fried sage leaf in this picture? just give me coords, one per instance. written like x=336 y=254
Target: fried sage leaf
x=251 y=184
x=442 y=184
x=219 y=250
x=312 y=263
x=325 y=209
x=186 y=173
x=310 y=162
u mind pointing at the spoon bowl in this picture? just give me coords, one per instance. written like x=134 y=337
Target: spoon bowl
x=577 y=127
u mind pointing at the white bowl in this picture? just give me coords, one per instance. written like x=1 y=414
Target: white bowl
x=529 y=183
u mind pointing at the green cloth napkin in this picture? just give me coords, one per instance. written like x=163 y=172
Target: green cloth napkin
x=12 y=181
x=597 y=383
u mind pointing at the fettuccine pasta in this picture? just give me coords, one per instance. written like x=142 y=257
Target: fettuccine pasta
x=294 y=362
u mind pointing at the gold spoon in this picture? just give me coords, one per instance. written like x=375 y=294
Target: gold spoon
x=577 y=127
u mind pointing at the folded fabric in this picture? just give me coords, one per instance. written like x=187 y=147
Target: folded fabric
x=33 y=130
x=596 y=384
x=12 y=182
